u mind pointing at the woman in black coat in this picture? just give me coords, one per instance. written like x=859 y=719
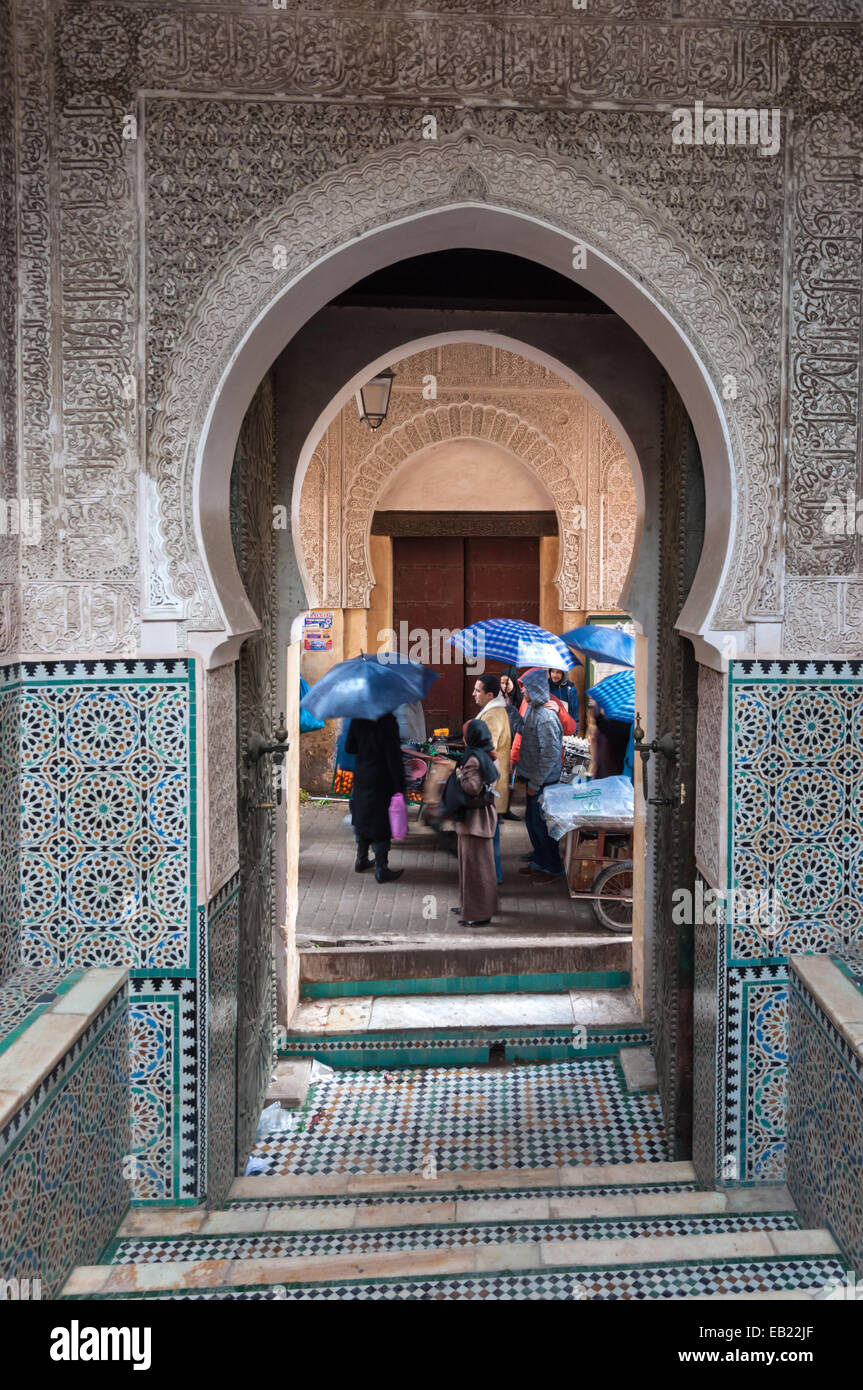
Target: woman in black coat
x=378 y=775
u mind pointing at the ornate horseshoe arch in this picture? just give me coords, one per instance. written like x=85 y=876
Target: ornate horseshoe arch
x=462 y=190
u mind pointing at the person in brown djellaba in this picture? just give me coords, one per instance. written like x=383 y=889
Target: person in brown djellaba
x=477 y=880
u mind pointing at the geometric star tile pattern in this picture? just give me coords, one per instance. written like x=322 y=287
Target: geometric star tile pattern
x=796 y=839
x=107 y=846
x=62 y=1176
x=825 y=1122
x=104 y=814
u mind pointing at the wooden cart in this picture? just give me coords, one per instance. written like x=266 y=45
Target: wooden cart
x=599 y=869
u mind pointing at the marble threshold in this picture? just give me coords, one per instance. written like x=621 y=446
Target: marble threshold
x=403 y=1013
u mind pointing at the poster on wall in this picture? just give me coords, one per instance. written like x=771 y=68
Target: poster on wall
x=318 y=632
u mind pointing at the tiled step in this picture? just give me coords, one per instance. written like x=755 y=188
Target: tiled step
x=463 y=1029
x=618 y=1267
x=594 y=1179
x=153 y=1236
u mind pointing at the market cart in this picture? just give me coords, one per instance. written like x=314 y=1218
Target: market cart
x=593 y=821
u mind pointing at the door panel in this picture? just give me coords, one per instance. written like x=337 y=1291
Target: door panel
x=447 y=582
x=681 y=534
x=501 y=581
x=428 y=596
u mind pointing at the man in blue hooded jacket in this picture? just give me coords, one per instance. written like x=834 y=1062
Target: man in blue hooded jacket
x=539 y=765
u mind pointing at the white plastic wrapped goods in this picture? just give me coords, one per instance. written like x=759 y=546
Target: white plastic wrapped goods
x=606 y=804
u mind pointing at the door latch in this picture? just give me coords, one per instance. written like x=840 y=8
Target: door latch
x=666 y=746
x=258 y=747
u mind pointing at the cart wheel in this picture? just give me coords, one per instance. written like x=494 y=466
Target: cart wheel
x=613 y=903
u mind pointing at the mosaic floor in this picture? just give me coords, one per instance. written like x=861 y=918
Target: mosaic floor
x=541 y=1116
x=276 y=1243
x=641 y=1282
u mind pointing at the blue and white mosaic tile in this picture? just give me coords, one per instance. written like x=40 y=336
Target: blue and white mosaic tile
x=795 y=833
x=28 y=992
x=825 y=1123
x=107 y=867
x=62 y=1178
x=168 y=1082
x=221 y=1039
x=796 y=769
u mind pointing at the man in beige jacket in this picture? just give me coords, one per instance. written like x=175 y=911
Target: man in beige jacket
x=493 y=712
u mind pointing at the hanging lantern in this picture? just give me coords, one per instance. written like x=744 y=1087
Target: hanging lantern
x=373 y=399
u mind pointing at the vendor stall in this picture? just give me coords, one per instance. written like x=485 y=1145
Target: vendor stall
x=593 y=821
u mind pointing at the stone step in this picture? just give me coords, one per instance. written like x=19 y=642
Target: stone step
x=463 y=1030
x=277 y=1232
x=601 y=960
x=474 y=1012
x=709 y=1263
x=487 y=1212
x=619 y=1176
x=290 y=1084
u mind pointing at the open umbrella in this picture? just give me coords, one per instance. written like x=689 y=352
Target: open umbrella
x=367 y=686
x=609 y=644
x=615 y=696
x=514 y=642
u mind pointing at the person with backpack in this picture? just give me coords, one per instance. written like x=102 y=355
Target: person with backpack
x=469 y=795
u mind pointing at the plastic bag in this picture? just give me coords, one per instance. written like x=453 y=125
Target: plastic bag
x=605 y=804
x=320 y=1072
x=255 y=1166
x=275 y=1120
x=398 y=817
x=308 y=722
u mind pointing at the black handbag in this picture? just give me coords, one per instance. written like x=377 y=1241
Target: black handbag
x=456 y=803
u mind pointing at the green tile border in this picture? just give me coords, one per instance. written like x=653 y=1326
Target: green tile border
x=455 y=1052
x=558 y=982
x=63 y=988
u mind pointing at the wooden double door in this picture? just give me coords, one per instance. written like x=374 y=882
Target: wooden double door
x=447 y=582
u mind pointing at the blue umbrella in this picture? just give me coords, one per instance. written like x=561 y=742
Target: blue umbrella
x=515 y=643
x=368 y=686
x=609 y=644
x=615 y=696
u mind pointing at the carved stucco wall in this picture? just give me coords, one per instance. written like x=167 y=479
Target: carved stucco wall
x=483 y=393
x=218 y=174
x=709 y=816
x=8 y=346
x=220 y=783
